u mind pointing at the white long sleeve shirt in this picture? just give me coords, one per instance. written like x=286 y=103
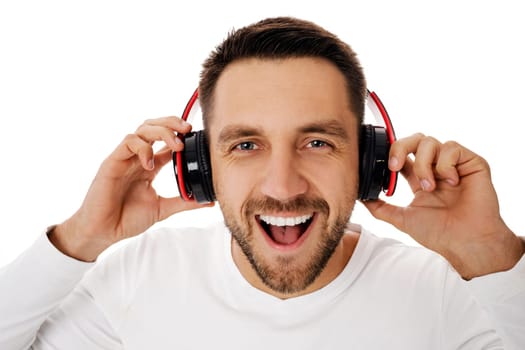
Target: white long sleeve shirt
x=180 y=289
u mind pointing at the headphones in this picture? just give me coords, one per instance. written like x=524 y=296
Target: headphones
x=193 y=171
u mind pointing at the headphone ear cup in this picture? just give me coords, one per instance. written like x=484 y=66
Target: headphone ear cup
x=196 y=168
x=365 y=160
x=374 y=174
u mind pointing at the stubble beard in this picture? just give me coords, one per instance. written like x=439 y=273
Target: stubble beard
x=285 y=274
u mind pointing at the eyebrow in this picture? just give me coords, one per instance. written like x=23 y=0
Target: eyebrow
x=236 y=131
x=329 y=127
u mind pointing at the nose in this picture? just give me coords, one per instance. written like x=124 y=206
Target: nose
x=282 y=179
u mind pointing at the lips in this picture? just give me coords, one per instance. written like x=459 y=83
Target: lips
x=285 y=232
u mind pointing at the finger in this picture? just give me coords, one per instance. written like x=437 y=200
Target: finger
x=152 y=133
x=175 y=123
x=400 y=150
x=139 y=143
x=384 y=211
x=170 y=206
x=164 y=129
x=446 y=166
x=425 y=149
x=408 y=174
x=426 y=155
x=162 y=157
x=132 y=146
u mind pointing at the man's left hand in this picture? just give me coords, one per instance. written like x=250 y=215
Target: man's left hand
x=455 y=210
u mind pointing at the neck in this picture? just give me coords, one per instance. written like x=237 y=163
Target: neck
x=333 y=268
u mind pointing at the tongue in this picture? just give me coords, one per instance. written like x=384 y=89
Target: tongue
x=285 y=234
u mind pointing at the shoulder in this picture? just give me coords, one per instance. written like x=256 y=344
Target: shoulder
x=389 y=258
x=159 y=251
x=159 y=262
x=166 y=240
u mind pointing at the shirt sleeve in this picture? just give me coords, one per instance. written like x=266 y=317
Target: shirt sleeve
x=36 y=291
x=502 y=295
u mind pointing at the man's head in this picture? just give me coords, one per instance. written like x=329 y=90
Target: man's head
x=282 y=101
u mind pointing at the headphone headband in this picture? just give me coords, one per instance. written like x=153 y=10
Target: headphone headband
x=185 y=192
x=377 y=107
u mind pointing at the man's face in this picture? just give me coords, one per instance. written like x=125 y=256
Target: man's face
x=284 y=152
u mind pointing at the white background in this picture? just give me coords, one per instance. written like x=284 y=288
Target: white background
x=75 y=77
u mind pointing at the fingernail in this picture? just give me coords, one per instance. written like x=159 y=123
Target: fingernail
x=425 y=184
x=151 y=164
x=393 y=162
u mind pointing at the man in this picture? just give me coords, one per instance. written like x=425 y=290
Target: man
x=283 y=101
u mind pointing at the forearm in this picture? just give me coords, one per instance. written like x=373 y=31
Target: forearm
x=31 y=288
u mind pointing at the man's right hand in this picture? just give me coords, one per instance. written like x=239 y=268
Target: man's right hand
x=121 y=201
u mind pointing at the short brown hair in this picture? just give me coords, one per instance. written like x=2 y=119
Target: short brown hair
x=278 y=38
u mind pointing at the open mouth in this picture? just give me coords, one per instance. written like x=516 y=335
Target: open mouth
x=285 y=231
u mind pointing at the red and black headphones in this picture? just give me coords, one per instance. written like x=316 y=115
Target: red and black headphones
x=194 y=174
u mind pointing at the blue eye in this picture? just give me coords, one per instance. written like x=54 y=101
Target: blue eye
x=246 y=146
x=317 y=144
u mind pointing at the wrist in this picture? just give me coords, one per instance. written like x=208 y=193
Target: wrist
x=483 y=258
x=68 y=241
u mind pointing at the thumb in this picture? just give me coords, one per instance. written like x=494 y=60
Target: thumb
x=384 y=211
x=170 y=206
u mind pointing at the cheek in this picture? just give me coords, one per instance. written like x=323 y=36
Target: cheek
x=230 y=185
x=340 y=192
x=334 y=178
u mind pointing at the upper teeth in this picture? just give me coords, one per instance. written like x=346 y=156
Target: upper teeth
x=281 y=221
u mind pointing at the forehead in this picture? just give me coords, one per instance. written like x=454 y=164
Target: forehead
x=280 y=93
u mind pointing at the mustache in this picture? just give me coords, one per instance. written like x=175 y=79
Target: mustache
x=298 y=204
